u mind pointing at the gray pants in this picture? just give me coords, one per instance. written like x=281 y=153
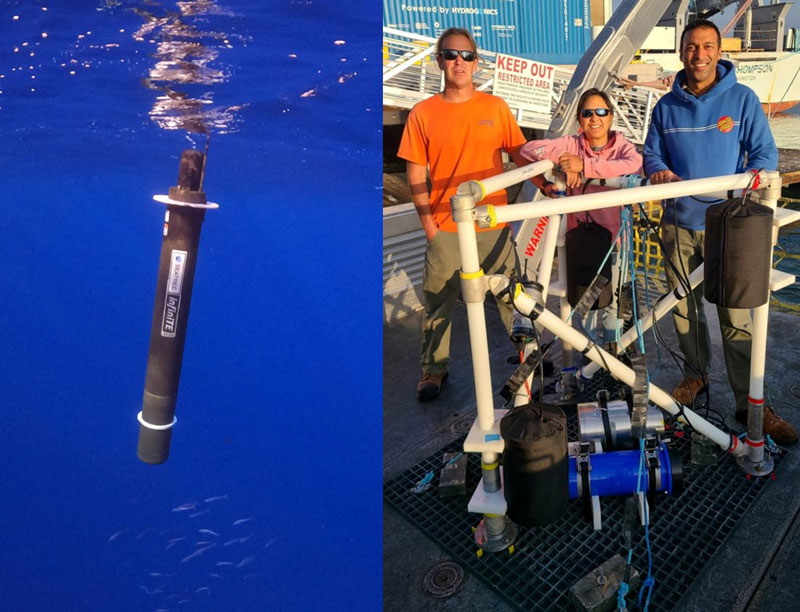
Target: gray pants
x=685 y=248
x=441 y=287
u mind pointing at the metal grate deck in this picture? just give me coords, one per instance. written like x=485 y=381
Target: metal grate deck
x=684 y=532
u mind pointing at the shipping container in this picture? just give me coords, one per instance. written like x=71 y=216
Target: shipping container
x=550 y=31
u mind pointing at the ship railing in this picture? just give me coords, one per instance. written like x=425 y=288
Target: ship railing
x=410 y=74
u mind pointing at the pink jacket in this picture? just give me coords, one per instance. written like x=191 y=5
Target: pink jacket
x=618 y=157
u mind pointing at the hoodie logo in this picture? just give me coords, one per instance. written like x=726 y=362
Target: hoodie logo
x=725 y=124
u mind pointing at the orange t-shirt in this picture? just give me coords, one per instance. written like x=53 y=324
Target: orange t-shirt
x=459 y=142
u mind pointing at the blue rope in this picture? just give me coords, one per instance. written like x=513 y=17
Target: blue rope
x=629 y=224
x=425 y=483
x=453 y=460
x=771 y=444
x=624 y=587
x=650 y=581
x=624 y=256
x=648 y=584
x=621 y=593
x=610 y=250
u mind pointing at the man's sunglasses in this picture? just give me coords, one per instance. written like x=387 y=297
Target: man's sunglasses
x=451 y=54
x=600 y=112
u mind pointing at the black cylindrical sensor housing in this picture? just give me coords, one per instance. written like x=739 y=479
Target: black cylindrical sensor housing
x=176 y=272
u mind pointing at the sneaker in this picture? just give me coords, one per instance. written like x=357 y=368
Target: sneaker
x=430 y=386
x=781 y=432
x=688 y=390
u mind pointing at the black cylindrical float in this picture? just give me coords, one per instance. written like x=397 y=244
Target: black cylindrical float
x=586 y=246
x=535 y=468
x=738 y=253
x=176 y=269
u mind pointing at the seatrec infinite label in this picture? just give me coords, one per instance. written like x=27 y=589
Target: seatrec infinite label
x=172 y=302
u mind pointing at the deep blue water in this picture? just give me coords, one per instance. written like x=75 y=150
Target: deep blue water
x=279 y=408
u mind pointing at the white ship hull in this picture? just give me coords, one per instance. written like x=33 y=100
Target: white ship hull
x=775 y=77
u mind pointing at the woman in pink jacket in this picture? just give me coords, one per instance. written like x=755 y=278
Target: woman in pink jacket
x=594 y=153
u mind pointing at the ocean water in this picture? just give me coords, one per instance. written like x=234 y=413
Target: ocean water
x=785 y=128
x=271 y=497
x=786 y=131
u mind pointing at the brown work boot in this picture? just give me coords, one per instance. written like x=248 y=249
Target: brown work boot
x=430 y=386
x=782 y=432
x=688 y=390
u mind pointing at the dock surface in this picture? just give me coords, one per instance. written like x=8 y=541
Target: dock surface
x=757 y=567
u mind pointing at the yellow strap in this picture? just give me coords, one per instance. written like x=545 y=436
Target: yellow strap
x=490 y=466
x=492 y=215
x=517 y=290
x=483 y=190
x=471 y=275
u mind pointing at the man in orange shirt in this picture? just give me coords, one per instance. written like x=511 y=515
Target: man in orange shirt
x=458 y=134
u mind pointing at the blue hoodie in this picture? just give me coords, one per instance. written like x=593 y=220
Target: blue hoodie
x=707 y=136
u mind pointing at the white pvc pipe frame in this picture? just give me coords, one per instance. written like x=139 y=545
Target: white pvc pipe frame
x=489 y=216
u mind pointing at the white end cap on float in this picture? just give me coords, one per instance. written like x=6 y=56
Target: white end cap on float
x=165 y=199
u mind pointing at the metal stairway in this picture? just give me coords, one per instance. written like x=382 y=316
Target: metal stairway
x=410 y=74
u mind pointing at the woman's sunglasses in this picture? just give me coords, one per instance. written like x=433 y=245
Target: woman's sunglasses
x=600 y=112
x=451 y=54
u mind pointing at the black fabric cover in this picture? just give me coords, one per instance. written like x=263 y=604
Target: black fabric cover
x=587 y=245
x=535 y=468
x=738 y=248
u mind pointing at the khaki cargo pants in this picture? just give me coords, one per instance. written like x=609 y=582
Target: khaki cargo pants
x=686 y=249
x=441 y=288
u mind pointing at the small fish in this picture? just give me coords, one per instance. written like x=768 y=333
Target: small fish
x=238 y=540
x=203 y=543
x=144 y=532
x=213 y=575
x=243 y=520
x=209 y=500
x=173 y=542
x=154 y=591
x=245 y=561
x=196 y=553
x=159 y=575
x=221 y=563
x=208 y=531
x=114 y=536
x=190 y=557
x=201 y=513
x=185 y=507
x=203 y=589
x=272 y=541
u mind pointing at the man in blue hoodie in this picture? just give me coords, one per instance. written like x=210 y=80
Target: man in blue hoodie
x=708 y=125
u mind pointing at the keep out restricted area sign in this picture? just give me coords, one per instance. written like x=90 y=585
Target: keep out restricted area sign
x=524 y=83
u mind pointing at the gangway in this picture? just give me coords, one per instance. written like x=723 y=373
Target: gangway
x=410 y=74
